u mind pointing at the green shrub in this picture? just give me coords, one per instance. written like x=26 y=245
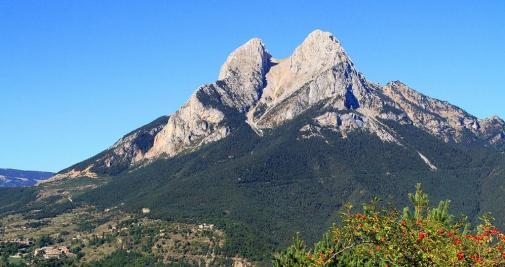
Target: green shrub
x=423 y=236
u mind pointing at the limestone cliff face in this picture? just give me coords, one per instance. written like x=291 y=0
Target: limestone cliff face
x=319 y=69
x=434 y=116
x=202 y=119
x=266 y=92
x=492 y=129
x=244 y=73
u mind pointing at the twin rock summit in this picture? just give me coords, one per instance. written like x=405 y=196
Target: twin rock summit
x=262 y=92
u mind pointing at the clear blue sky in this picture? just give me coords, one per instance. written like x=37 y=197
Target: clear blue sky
x=77 y=75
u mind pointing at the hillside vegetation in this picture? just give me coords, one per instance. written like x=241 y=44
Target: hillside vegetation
x=109 y=238
x=260 y=189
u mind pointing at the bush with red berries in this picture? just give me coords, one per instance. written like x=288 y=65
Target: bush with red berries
x=424 y=236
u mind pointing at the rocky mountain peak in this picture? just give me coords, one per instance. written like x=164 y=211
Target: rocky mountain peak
x=396 y=83
x=245 y=69
x=317 y=69
x=249 y=57
x=319 y=51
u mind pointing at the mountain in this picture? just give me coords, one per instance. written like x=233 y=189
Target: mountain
x=17 y=178
x=277 y=145
x=266 y=92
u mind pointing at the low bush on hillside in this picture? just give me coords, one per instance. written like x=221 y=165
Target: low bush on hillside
x=424 y=236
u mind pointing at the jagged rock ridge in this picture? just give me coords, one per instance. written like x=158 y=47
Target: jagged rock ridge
x=266 y=92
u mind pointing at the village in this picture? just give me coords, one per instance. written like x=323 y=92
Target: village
x=87 y=235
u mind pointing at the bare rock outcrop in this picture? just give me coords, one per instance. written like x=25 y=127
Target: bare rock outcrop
x=493 y=130
x=192 y=125
x=318 y=69
x=202 y=119
x=244 y=73
x=128 y=151
x=347 y=123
